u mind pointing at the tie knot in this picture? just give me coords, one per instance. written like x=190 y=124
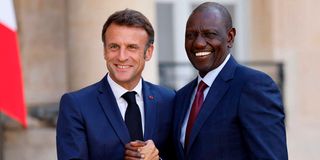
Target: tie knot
x=130 y=97
x=202 y=86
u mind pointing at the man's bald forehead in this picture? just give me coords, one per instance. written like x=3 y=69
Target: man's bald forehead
x=213 y=6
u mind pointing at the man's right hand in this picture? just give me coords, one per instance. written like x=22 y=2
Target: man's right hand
x=138 y=150
x=133 y=150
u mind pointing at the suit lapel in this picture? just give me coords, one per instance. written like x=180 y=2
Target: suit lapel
x=215 y=93
x=111 y=109
x=150 y=108
x=219 y=87
x=185 y=105
x=185 y=100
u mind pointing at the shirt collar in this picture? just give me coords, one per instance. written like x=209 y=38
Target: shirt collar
x=118 y=90
x=212 y=75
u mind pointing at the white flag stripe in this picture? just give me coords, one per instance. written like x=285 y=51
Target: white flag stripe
x=7 y=15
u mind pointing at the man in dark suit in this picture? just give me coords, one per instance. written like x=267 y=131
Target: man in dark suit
x=229 y=112
x=122 y=111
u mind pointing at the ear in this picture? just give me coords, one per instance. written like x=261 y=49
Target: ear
x=149 y=52
x=231 y=36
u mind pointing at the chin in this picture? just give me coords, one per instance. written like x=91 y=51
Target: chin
x=201 y=68
x=122 y=77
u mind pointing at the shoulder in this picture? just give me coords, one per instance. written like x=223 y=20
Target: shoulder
x=159 y=90
x=250 y=75
x=83 y=93
x=187 y=87
x=160 y=96
x=256 y=82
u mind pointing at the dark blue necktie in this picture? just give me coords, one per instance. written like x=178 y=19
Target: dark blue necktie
x=133 y=116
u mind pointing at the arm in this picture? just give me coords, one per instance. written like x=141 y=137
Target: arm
x=262 y=118
x=71 y=138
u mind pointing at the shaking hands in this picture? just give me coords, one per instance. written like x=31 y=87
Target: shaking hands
x=139 y=150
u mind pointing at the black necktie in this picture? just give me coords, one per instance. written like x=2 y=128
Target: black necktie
x=133 y=116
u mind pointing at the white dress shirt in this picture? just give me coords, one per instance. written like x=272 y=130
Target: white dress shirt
x=208 y=79
x=118 y=91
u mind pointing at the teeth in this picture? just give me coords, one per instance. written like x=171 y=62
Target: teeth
x=122 y=67
x=202 y=54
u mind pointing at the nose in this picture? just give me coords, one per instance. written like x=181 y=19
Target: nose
x=123 y=55
x=199 y=42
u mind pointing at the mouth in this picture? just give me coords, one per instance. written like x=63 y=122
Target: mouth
x=122 y=66
x=202 y=54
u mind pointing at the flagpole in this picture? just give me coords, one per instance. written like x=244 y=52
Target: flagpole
x=1 y=135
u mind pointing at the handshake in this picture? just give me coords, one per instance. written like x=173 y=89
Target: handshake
x=138 y=150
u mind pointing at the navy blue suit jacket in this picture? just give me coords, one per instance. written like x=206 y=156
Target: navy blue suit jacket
x=90 y=125
x=242 y=118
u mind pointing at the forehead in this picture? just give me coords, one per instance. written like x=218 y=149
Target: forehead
x=117 y=32
x=207 y=19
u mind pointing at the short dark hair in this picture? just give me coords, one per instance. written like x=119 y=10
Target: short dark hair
x=213 y=5
x=131 y=18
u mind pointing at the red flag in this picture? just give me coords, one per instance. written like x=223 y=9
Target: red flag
x=11 y=87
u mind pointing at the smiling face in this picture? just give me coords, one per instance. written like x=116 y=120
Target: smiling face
x=207 y=40
x=125 y=53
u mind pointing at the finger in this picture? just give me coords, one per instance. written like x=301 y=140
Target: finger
x=157 y=157
x=150 y=151
x=154 y=154
x=135 y=145
x=132 y=148
x=133 y=154
x=138 y=143
x=149 y=142
x=149 y=147
x=156 y=151
x=131 y=158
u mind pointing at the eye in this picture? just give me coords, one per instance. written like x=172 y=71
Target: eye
x=210 y=35
x=113 y=46
x=190 y=35
x=133 y=47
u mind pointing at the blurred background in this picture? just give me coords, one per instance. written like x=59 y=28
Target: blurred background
x=61 y=51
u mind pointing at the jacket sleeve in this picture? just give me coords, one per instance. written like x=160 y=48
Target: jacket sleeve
x=71 y=137
x=262 y=117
